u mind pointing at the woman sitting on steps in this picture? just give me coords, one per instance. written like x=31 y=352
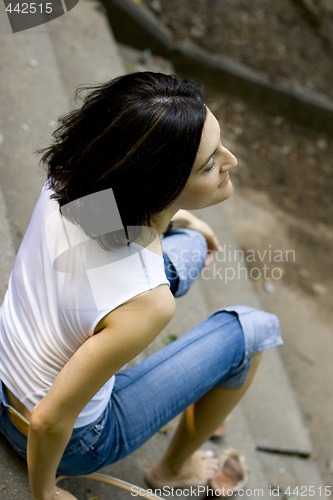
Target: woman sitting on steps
x=110 y=243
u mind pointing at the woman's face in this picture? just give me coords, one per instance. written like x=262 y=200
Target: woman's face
x=209 y=182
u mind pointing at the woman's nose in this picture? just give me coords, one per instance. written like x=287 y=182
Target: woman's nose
x=229 y=160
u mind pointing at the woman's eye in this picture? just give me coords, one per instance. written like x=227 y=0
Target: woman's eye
x=210 y=165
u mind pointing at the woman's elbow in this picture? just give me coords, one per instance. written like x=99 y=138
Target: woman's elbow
x=46 y=423
x=41 y=422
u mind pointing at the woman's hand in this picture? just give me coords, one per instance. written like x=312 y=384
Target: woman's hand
x=186 y=219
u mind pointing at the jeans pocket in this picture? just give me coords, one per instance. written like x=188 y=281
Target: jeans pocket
x=86 y=452
x=88 y=439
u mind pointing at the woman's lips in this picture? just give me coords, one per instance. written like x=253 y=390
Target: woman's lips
x=225 y=181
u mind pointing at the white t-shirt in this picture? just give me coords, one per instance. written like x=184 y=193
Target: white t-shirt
x=62 y=284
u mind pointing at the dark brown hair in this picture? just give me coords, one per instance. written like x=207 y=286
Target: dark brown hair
x=137 y=134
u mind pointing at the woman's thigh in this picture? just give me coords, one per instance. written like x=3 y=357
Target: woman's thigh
x=154 y=391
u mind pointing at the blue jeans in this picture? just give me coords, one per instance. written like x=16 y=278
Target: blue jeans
x=217 y=352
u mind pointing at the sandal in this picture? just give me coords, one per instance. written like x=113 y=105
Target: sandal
x=233 y=468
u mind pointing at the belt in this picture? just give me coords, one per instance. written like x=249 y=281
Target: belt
x=18 y=420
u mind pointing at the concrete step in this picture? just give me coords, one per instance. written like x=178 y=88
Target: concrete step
x=84 y=47
x=32 y=96
x=7 y=252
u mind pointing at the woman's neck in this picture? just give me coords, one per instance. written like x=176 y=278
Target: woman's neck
x=161 y=220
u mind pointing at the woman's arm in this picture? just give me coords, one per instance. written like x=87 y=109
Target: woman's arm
x=186 y=219
x=121 y=336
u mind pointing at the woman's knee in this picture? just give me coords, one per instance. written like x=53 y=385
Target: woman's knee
x=255 y=362
x=185 y=253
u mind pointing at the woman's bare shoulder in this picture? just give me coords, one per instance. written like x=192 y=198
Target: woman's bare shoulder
x=157 y=303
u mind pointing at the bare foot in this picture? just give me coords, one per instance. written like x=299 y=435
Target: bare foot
x=196 y=471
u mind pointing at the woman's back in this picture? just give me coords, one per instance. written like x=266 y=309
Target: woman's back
x=62 y=284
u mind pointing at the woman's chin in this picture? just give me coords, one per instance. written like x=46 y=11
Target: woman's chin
x=227 y=191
